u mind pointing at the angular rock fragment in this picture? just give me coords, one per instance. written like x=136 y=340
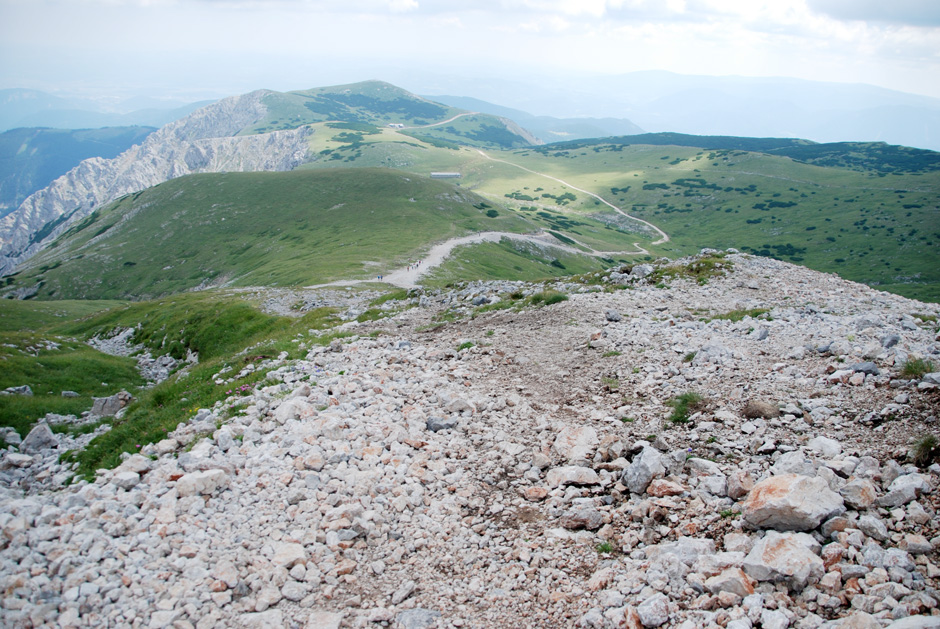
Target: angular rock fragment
x=39 y=438
x=858 y=493
x=576 y=443
x=572 y=475
x=784 y=557
x=791 y=502
x=755 y=409
x=730 y=580
x=206 y=482
x=584 y=518
x=646 y=466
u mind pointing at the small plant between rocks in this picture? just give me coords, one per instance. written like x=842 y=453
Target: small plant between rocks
x=916 y=368
x=925 y=450
x=685 y=405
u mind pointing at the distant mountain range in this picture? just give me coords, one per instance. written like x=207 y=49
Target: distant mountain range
x=708 y=105
x=33 y=108
x=546 y=128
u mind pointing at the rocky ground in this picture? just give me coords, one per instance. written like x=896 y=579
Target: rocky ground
x=518 y=468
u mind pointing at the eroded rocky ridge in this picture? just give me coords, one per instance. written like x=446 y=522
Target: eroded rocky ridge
x=205 y=141
x=518 y=469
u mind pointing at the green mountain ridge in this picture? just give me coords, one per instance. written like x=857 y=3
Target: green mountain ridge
x=874 y=156
x=273 y=229
x=381 y=104
x=867 y=211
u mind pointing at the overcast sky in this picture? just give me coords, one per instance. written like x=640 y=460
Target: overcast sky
x=194 y=49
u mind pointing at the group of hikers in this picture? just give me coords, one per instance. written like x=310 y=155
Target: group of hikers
x=411 y=267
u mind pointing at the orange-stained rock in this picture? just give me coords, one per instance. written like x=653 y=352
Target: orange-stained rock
x=791 y=502
x=535 y=494
x=784 y=557
x=730 y=580
x=660 y=487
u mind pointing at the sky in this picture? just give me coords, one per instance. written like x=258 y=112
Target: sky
x=188 y=50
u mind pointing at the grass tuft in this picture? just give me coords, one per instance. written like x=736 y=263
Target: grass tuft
x=925 y=450
x=916 y=368
x=685 y=405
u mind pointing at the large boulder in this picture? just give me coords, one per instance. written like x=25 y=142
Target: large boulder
x=784 y=557
x=205 y=483
x=109 y=406
x=39 y=438
x=791 y=502
x=646 y=466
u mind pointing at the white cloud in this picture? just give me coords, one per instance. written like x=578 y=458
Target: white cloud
x=817 y=39
x=921 y=13
x=401 y=6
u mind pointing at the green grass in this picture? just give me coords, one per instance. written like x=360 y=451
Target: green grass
x=925 y=450
x=916 y=367
x=738 y=315
x=685 y=405
x=860 y=223
x=27 y=357
x=605 y=548
x=22 y=316
x=475 y=130
x=865 y=211
x=227 y=332
x=548 y=298
x=700 y=269
x=508 y=260
x=280 y=229
x=400 y=294
x=369 y=102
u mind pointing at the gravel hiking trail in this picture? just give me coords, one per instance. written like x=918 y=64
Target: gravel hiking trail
x=664 y=237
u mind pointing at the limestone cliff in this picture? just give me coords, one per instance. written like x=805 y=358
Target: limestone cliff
x=205 y=141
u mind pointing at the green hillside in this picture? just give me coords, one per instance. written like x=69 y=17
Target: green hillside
x=30 y=159
x=883 y=230
x=365 y=108
x=278 y=229
x=867 y=211
x=371 y=102
x=863 y=156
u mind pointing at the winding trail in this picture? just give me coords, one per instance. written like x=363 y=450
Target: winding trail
x=435 y=124
x=663 y=236
x=408 y=276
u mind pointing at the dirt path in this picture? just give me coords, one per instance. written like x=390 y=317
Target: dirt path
x=469 y=113
x=408 y=276
x=663 y=236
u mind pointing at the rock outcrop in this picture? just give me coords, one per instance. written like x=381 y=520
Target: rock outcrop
x=205 y=141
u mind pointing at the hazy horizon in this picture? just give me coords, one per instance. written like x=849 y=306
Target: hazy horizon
x=190 y=50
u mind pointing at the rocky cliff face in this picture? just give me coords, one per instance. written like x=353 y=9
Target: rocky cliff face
x=205 y=141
